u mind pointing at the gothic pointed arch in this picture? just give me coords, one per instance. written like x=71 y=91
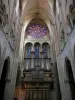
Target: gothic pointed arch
x=28 y=48
x=46 y=49
x=70 y=77
x=4 y=77
x=36 y=50
x=37 y=28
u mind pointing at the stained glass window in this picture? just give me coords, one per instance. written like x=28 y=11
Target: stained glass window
x=37 y=30
x=29 y=52
x=44 y=51
x=36 y=52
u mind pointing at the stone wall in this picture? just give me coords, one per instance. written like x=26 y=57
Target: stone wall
x=9 y=44
x=70 y=54
x=62 y=23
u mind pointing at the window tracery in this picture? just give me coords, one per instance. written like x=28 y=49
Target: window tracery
x=29 y=52
x=44 y=50
x=37 y=52
x=37 y=30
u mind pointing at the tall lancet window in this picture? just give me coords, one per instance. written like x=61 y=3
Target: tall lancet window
x=44 y=52
x=29 y=52
x=37 y=61
x=28 y=48
x=28 y=55
x=37 y=50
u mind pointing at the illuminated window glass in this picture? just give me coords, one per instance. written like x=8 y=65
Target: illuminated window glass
x=37 y=30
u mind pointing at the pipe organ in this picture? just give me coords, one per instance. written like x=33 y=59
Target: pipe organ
x=37 y=78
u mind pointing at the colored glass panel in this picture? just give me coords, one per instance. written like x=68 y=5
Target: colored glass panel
x=37 y=30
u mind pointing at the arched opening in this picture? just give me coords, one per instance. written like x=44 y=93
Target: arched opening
x=28 y=55
x=46 y=50
x=37 y=61
x=4 y=76
x=70 y=77
x=46 y=55
x=37 y=28
x=37 y=50
x=28 y=48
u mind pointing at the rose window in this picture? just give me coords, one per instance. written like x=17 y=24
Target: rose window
x=37 y=30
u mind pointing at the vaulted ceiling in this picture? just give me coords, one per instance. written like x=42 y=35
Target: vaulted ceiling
x=37 y=6
x=36 y=9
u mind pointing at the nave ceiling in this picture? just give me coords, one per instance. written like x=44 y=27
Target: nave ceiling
x=37 y=8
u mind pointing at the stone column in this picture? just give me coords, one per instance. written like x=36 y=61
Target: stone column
x=32 y=56
x=32 y=60
x=42 y=63
x=40 y=51
x=48 y=64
